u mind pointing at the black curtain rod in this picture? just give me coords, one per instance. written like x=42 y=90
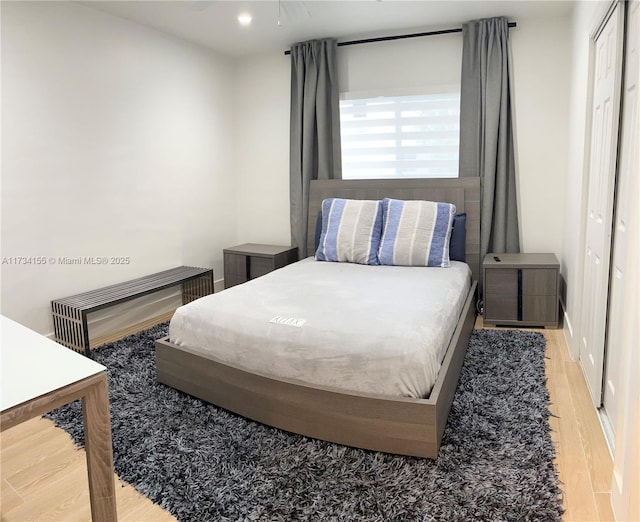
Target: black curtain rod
x=400 y=37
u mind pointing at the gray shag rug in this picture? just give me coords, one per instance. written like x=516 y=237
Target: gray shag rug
x=203 y=463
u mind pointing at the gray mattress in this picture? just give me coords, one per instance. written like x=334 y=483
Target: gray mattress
x=372 y=329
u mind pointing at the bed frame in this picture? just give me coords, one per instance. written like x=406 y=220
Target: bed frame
x=399 y=425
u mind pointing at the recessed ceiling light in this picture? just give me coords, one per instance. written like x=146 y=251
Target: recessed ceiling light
x=244 y=19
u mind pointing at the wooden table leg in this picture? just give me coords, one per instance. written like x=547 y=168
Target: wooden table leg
x=97 y=433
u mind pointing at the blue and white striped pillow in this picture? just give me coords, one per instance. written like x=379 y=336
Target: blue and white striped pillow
x=416 y=233
x=351 y=231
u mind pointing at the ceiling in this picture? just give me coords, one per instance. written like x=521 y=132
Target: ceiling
x=214 y=24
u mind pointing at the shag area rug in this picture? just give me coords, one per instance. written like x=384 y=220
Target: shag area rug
x=203 y=463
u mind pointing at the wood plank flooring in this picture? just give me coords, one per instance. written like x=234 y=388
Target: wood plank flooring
x=583 y=461
x=44 y=478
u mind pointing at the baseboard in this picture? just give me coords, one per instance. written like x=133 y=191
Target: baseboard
x=607 y=430
x=567 y=323
x=567 y=330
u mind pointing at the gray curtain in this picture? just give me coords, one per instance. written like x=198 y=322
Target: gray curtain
x=486 y=132
x=315 y=128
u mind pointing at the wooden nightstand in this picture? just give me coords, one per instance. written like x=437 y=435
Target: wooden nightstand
x=248 y=261
x=521 y=289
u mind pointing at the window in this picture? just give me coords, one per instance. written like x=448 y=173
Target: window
x=401 y=136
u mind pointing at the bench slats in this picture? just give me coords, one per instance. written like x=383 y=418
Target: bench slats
x=70 y=313
x=132 y=288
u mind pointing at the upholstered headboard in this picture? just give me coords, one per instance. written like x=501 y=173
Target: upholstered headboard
x=464 y=193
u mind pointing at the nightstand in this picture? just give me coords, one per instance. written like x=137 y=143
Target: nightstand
x=248 y=261
x=521 y=289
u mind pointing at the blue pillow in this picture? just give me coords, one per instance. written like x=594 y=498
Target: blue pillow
x=351 y=230
x=416 y=233
x=457 y=250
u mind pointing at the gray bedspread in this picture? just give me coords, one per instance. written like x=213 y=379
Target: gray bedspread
x=373 y=329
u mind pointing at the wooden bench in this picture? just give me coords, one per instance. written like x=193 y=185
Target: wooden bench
x=70 y=313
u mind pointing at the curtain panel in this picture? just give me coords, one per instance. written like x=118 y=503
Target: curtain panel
x=486 y=130
x=314 y=128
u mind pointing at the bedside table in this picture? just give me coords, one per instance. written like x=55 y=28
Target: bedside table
x=248 y=261
x=521 y=289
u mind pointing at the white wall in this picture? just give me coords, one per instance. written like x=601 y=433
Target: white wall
x=261 y=132
x=541 y=98
x=400 y=64
x=541 y=51
x=116 y=142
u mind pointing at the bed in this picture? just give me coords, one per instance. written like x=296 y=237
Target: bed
x=343 y=407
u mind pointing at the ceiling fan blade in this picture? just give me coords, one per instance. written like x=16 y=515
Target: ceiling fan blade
x=200 y=5
x=292 y=12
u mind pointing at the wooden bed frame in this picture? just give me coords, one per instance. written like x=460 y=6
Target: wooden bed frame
x=399 y=425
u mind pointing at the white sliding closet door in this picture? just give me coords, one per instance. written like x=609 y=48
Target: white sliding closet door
x=625 y=198
x=602 y=174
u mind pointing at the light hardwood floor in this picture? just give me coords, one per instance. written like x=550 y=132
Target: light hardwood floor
x=44 y=475
x=583 y=460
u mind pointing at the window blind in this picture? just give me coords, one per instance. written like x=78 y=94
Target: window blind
x=400 y=136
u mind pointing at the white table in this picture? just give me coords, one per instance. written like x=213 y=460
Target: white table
x=39 y=375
